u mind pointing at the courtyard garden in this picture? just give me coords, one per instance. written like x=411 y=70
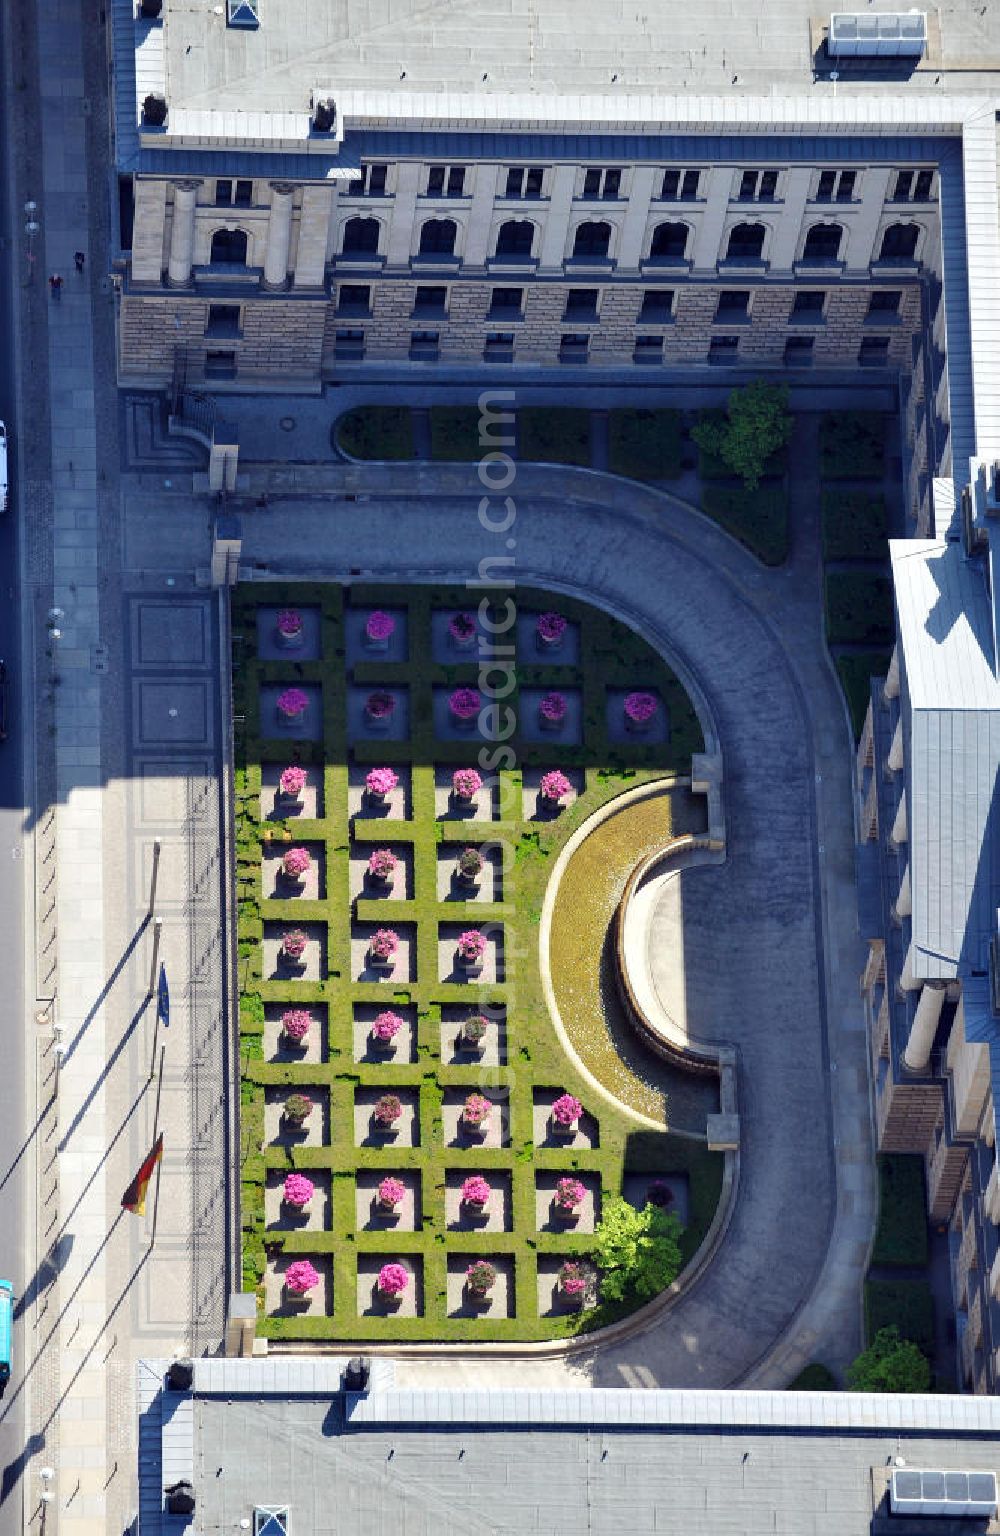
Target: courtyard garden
x=420 y=1157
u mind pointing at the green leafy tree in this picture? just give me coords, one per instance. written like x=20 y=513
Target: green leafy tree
x=889 y=1364
x=637 y=1252
x=756 y=424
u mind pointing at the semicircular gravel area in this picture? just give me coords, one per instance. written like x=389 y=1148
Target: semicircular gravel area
x=738 y=630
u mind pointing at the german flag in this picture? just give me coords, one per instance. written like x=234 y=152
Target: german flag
x=134 y=1198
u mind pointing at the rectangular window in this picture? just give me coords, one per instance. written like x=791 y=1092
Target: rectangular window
x=220 y=365
x=499 y=347
x=435 y=180
x=923 y=186
x=845 y=186
x=371 y=182
x=757 y=186
x=524 y=181
x=836 y=186
x=679 y=185
x=581 y=304
x=223 y=192
x=723 y=350
x=874 y=351
x=573 y=347
x=456 y=180
x=223 y=320
x=244 y=194
x=808 y=306
x=349 y=344
x=799 y=351
x=430 y=299
x=825 y=186
x=354 y=299
x=425 y=346
x=602 y=183
x=446 y=181
x=884 y=303
x=648 y=349
x=657 y=306
x=733 y=304
x=507 y=302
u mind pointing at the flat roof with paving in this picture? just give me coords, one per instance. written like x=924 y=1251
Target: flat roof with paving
x=548 y=47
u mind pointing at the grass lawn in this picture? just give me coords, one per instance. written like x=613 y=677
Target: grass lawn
x=858 y=608
x=525 y=1064
x=855 y=525
x=376 y=432
x=852 y=445
x=901 y=1235
x=907 y=1303
x=856 y=671
x=645 y=445
x=759 y=519
x=455 y=433
x=554 y=435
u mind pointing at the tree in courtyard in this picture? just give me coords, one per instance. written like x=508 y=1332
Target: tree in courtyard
x=637 y=1252
x=756 y=424
x=889 y=1364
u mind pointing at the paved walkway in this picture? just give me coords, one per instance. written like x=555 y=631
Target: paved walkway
x=779 y=933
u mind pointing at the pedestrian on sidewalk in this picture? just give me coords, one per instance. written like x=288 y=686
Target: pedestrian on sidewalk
x=78 y=260
x=55 y=283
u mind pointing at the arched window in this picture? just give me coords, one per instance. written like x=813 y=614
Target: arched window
x=823 y=243
x=361 y=237
x=746 y=242
x=230 y=246
x=437 y=237
x=516 y=238
x=669 y=240
x=899 y=243
x=592 y=239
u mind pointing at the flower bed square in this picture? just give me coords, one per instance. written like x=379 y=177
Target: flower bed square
x=306 y=805
x=380 y=1045
x=458 y=883
x=483 y=805
x=283 y=642
x=280 y=965
x=280 y=1131
x=553 y=1301
x=669 y=1190
x=277 y=725
x=371 y=793
x=535 y=648
x=280 y=1303
x=536 y=806
x=457 y=1046
x=309 y=1048
x=495 y=1216
x=587 y=1212
x=376 y=713
x=551 y=715
x=587 y=1133
x=287 y=877
x=372 y=1214
x=499 y=1299
x=398 y=968
x=281 y=1215
x=652 y=731
x=369 y=637
x=456 y=632
x=487 y=969
x=402 y=1132
x=381 y=883
x=371 y=1303
x=495 y=1132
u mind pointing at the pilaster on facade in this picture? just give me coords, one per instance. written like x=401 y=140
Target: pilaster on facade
x=182 y=233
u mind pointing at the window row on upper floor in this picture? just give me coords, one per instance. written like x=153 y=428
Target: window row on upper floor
x=598 y=183
x=670 y=242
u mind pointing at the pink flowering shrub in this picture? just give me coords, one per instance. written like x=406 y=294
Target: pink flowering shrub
x=464 y=703
x=471 y=944
x=388 y=1109
x=552 y=707
x=301 y=1277
x=298 y=1190
x=289 y=621
x=293 y=780
x=480 y=1277
x=379 y=625
x=659 y=1193
x=475 y=1190
x=640 y=707
x=551 y=627
x=476 y=1109
x=391 y=1191
x=292 y=703
x=380 y=705
x=569 y=1193
x=296 y=1023
x=383 y=943
x=381 y=781
x=295 y=863
x=462 y=627
x=382 y=863
x=572 y=1280
x=554 y=785
x=475 y=1027
x=466 y=782
x=386 y=1026
x=566 y=1109
x=293 y=943
x=392 y=1279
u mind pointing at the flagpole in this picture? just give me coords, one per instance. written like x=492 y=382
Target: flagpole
x=156 y=1121
x=156 y=1024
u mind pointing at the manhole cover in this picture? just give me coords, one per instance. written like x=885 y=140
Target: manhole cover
x=287 y=423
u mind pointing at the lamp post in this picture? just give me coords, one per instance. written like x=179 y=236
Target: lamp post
x=31 y=228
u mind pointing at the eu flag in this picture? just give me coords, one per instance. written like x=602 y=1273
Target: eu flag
x=163 y=997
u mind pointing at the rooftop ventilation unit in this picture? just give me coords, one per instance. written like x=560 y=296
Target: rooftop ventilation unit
x=951 y=1495
x=271 y=1521
x=895 y=34
x=242 y=13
